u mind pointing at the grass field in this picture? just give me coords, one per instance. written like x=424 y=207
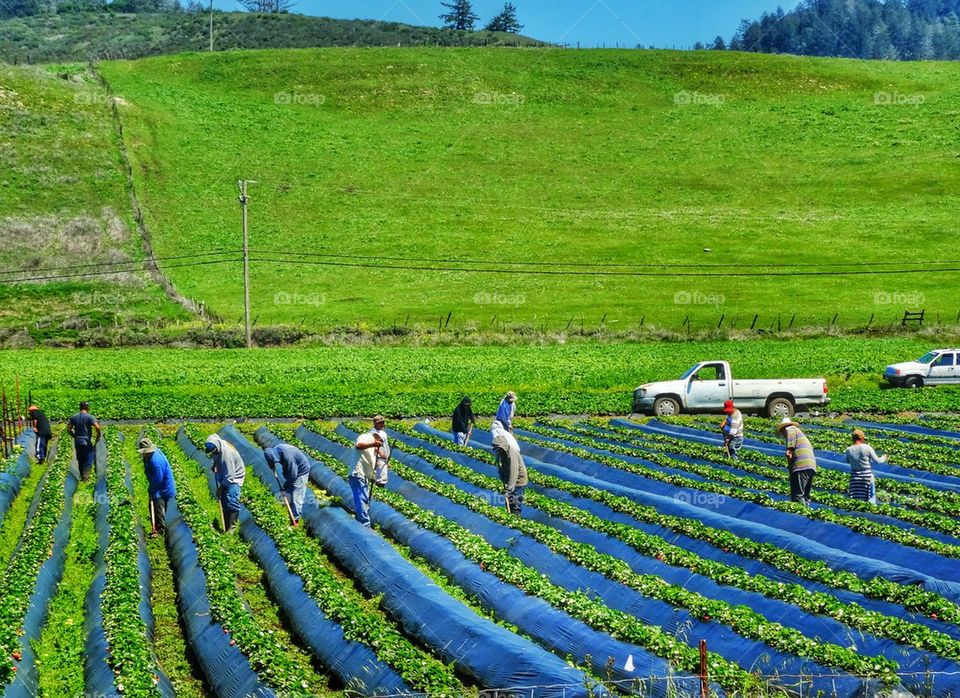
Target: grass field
x=406 y=381
x=562 y=158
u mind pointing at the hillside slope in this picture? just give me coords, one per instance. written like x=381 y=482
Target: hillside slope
x=82 y=36
x=782 y=167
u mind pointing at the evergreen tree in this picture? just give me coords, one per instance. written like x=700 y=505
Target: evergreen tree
x=460 y=16
x=506 y=21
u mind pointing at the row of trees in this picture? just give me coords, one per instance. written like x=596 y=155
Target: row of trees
x=881 y=29
x=460 y=15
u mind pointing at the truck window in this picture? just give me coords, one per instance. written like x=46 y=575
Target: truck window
x=944 y=360
x=710 y=372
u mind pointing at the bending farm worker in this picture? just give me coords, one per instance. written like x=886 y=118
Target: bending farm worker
x=82 y=427
x=463 y=421
x=295 y=471
x=861 y=458
x=732 y=429
x=381 y=471
x=160 y=485
x=42 y=430
x=230 y=472
x=800 y=459
x=513 y=471
x=507 y=410
x=361 y=479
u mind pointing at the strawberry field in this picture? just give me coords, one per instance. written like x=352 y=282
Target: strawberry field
x=637 y=541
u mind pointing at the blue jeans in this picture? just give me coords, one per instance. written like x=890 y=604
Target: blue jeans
x=361 y=499
x=460 y=438
x=42 y=447
x=734 y=445
x=296 y=491
x=86 y=453
x=230 y=497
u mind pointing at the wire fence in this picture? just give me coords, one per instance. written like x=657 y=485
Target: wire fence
x=12 y=421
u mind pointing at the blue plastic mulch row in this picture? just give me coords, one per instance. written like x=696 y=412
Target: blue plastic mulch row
x=490 y=655
x=355 y=664
x=12 y=480
x=821 y=628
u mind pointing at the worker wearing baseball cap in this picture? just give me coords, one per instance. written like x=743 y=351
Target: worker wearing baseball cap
x=160 y=487
x=732 y=429
x=42 y=430
x=861 y=458
x=800 y=459
x=381 y=471
x=506 y=411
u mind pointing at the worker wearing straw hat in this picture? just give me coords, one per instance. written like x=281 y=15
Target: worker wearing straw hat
x=800 y=459
x=861 y=458
x=160 y=487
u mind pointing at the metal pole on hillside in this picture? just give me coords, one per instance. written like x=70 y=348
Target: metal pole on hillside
x=211 y=26
x=246 y=264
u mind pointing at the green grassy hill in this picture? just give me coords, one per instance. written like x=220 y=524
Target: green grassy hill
x=81 y=36
x=779 y=165
x=65 y=209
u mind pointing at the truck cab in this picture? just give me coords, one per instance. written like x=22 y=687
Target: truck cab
x=937 y=367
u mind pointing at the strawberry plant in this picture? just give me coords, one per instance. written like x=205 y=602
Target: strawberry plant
x=36 y=544
x=878 y=624
x=130 y=653
x=340 y=601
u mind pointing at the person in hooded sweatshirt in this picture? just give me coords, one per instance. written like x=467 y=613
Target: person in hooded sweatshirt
x=295 y=471
x=513 y=471
x=230 y=471
x=463 y=422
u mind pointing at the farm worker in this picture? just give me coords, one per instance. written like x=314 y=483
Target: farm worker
x=513 y=471
x=732 y=430
x=861 y=458
x=230 y=471
x=383 y=453
x=160 y=487
x=361 y=479
x=295 y=469
x=41 y=427
x=508 y=407
x=800 y=459
x=82 y=427
x=463 y=422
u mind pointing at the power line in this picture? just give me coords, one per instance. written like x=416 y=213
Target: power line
x=111 y=272
x=94 y=265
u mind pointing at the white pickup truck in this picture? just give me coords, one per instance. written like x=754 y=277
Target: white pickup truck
x=706 y=386
x=937 y=367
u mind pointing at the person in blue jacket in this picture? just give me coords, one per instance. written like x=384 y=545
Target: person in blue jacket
x=295 y=471
x=160 y=486
x=506 y=411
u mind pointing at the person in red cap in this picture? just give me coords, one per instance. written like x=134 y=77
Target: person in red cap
x=732 y=429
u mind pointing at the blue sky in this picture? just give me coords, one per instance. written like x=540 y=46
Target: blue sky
x=664 y=23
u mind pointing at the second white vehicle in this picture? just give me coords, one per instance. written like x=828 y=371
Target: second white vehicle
x=937 y=367
x=706 y=386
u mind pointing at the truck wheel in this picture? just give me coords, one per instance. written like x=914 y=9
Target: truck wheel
x=913 y=382
x=779 y=408
x=666 y=407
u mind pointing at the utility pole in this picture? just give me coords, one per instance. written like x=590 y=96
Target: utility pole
x=246 y=263
x=211 y=26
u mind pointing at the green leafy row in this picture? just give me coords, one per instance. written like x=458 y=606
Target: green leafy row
x=743 y=620
x=361 y=621
x=36 y=547
x=742 y=490
x=267 y=658
x=130 y=653
x=774 y=477
x=878 y=624
x=917 y=496
x=578 y=604
x=910 y=597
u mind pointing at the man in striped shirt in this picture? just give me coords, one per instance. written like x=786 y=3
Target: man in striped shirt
x=732 y=430
x=800 y=459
